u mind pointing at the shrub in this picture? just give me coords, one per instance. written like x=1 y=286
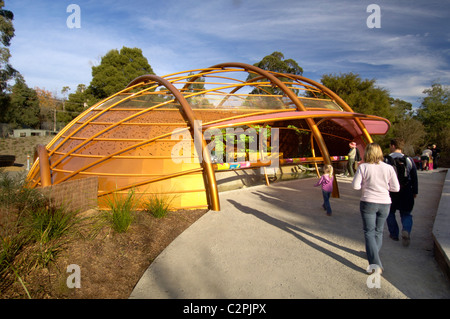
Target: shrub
x=32 y=232
x=15 y=194
x=158 y=205
x=10 y=248
x=120 y=213
x=50 y=227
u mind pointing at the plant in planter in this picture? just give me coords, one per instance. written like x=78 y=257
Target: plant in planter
x=238 y=145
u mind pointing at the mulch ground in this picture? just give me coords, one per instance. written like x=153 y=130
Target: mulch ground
x=110 y=263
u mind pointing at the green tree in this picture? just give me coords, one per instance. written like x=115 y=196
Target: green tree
x=275 y=62
x=198 y=85
x=434 y=113
x=411 y=131
x=7 y=72
x=401 y=110
x=116 y=70
x=363 y=96
x=48 y=104
x=405 y=126
x=76 y=104
x=23 y=110
x=5 y=101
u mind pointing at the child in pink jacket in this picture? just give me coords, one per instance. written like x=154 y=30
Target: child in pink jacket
x=326 y=181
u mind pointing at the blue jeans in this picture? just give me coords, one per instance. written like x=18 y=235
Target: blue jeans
x=373 y=216
x=405 y=218
x=326 y=201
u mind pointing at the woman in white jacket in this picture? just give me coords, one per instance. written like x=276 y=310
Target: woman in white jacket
x=375 y=179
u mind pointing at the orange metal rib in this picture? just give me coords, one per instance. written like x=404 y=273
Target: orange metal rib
x=210 y=178
x=44 y=166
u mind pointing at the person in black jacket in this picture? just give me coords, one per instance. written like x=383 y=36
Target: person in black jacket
x=402 y=201
x=435 y=154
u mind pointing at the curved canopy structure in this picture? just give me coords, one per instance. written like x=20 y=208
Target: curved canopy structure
x=155 y=135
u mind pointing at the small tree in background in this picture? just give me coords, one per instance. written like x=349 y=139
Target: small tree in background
x=434 y=113
x=275 y=62
x=23 y=109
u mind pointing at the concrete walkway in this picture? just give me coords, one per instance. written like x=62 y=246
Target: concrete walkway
x=277 y=242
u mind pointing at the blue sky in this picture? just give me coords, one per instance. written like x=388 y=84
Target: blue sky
x=405 y=55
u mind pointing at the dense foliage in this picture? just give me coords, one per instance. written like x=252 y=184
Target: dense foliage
x=116 y=70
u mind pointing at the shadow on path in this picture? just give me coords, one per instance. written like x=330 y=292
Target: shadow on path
x=294 y=230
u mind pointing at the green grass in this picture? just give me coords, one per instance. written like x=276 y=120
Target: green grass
x=10 y=249
x=51 y=228
x=32 y=231
x=158 y=205
x=121 y=210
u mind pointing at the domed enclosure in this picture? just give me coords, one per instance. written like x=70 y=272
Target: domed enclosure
x=170 y=135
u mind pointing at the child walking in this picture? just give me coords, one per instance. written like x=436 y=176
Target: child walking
x=326 y=180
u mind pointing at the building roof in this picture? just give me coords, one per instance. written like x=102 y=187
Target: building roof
x=128 y=140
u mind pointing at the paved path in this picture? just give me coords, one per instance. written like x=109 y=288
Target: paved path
x=277 y=242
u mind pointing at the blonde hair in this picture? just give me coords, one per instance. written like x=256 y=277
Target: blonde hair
x=328 y=169
x=373 y=154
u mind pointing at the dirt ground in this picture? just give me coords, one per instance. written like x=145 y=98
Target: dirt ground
x=22 y=147
x=110 y=263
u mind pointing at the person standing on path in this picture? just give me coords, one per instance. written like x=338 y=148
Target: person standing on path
x=375 y=179
x=435 y=153
x=326 y=181
x=427 y=154
x=353 y=157
x=404 y=199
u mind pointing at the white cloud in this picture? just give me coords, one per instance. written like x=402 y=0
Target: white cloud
x=404 y=87
x=405 y=55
